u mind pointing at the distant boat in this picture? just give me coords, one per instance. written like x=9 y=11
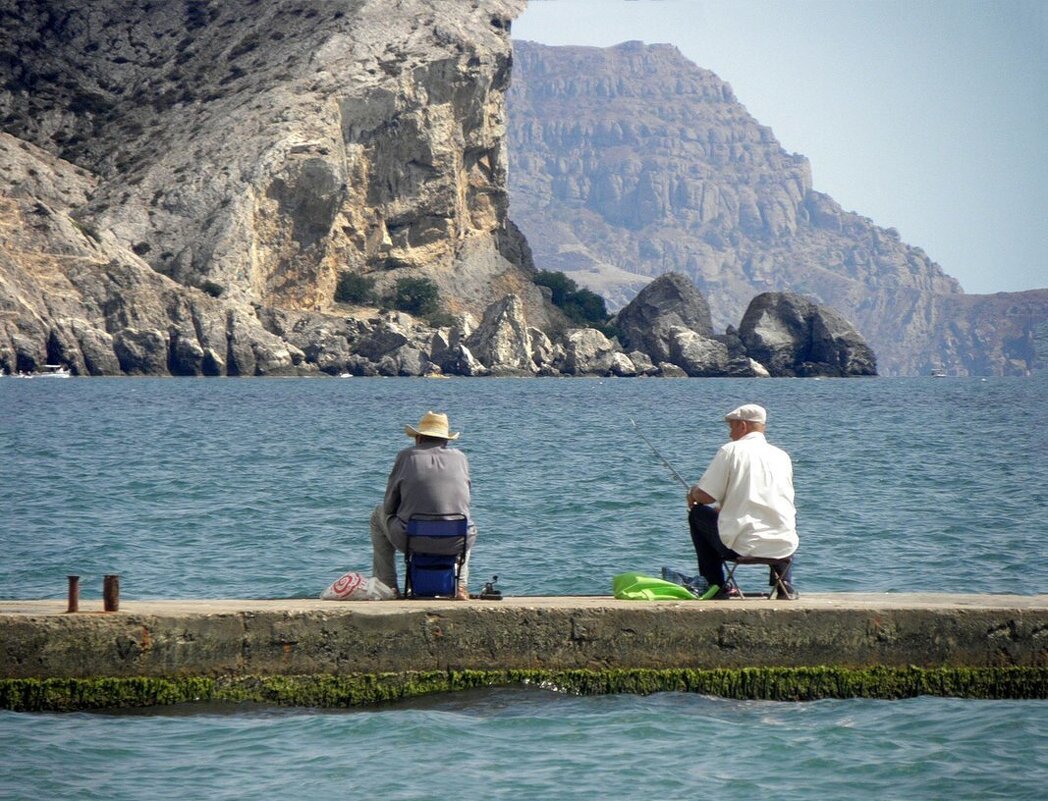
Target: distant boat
x=938 y=372
x=55 y=371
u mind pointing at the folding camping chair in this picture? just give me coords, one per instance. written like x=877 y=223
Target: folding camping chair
x=780 y=570
x=434 y=555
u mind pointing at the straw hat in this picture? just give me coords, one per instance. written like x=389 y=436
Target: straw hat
x=432 y=424
x=750 y=412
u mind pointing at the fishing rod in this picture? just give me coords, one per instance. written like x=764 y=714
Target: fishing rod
x=655 y=450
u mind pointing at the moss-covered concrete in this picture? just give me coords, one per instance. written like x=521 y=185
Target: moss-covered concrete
x=342 y=654
x=772 y=684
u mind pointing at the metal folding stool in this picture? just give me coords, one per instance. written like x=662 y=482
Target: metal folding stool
x=779 y=570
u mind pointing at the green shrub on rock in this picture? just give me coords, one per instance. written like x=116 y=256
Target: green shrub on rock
x=417 y=296
x=581 y=306
x=353 y=288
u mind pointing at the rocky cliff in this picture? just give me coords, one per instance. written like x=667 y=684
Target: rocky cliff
x=170 y=171
x=183 y=187
x=629 y=162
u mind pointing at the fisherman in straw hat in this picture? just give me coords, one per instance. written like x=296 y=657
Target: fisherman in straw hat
x=428 y=478
x=751 y=481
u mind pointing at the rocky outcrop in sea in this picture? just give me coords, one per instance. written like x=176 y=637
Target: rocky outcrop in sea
x=792 y=336
x=795 y=336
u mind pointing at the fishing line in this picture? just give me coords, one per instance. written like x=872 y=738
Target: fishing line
x=655 y=450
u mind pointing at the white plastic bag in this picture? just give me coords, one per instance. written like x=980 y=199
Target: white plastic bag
x=357 y=587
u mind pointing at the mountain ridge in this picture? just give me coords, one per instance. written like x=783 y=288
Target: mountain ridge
x=631 y=161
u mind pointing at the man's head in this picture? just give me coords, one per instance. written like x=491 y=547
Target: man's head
x=746 y=418
x=432 y=426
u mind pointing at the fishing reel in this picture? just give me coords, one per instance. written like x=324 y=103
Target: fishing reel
x=490 y=592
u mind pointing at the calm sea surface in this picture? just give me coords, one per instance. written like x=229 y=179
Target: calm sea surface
x=262 y=489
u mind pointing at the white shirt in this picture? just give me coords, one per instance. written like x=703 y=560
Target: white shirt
x=752 y=480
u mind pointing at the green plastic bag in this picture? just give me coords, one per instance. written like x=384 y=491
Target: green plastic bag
x=638 y=587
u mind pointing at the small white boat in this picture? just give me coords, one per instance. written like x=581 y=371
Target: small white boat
x=55 y=371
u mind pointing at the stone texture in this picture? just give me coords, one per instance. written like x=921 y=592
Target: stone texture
x=756 y=369
x=672 y=300
x=697 y=355
x=185 y=168
x=630 y=161
x=387 y=336
x=288 y=637
x=71 y=294
x=622 y=366
x=459 y=360
x=181 y=186
x=502 y=341
x=588 y=352
x=981 y=335
x=793 y=336
x=542 y=352
x=141 y=352
x=669 y=321
x=642 y=363
x=670 y=370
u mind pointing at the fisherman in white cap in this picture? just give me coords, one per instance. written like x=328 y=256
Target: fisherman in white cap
x=428 y=478
x=743 y=504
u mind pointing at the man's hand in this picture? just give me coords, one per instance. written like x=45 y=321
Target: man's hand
x=697 y=496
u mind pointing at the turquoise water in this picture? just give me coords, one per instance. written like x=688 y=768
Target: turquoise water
x=262 y=489
x=532 y=744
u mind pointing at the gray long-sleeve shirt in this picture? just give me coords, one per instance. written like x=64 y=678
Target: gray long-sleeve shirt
x=427 y=479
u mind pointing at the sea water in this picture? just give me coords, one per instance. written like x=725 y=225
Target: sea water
x=262 y=488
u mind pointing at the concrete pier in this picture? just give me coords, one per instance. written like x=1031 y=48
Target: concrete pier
x=226 y=639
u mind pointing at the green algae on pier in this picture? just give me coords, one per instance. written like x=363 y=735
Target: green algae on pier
x=352 y=690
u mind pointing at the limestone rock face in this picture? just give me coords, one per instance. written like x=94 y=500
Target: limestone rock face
x=141 y=352
x=182 y=184
x=502 y=340
x=72 y=295
x=181 y=168
x=588 y=352
x=387 y=336
x=756 y=369
x=670 y=370
x=459 y=360
x=698 y=355
x=1001 y=334
x=630 y=161
x=622 y=366
x=792 y=336
x=642 y=363
x=670 y=301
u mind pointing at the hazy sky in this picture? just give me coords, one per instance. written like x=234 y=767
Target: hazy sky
x=930 y=116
